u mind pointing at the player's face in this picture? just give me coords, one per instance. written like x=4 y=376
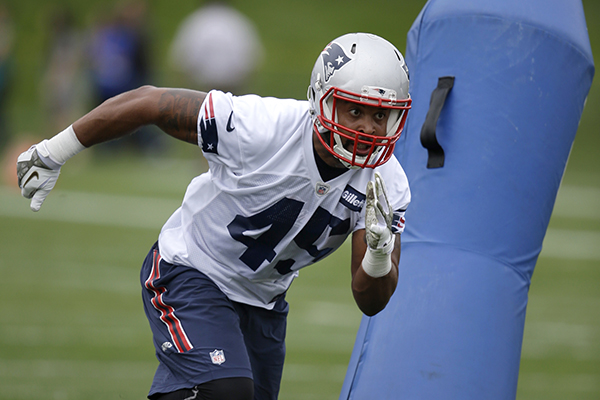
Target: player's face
x=362 y=118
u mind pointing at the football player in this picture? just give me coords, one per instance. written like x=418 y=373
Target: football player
x=288 y=182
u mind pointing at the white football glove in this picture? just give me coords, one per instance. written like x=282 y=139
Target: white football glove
x=378 y=217
x=378 y=226
x=37 y=174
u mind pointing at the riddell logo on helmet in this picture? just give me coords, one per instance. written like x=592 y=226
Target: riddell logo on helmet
x=334 y=58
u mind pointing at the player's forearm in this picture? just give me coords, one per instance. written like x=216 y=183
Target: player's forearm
x=116 y=117
x=175 y=111
x=372 y=294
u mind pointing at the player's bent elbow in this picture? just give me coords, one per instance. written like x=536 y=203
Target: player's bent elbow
x=373 y=302
x=370 y=309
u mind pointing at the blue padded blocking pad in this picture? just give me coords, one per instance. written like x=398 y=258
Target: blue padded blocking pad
x=522 y=70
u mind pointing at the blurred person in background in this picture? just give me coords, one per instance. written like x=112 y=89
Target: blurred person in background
x=119 y=61
x=64 y=88
x=217 y=47
x=6 y=70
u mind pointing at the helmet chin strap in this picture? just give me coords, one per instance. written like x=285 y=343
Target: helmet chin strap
x=339 y=149
x=325 y=139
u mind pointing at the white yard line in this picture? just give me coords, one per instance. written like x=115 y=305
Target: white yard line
x=571 y=244
x=91 y=208
x=152 y=212
x=578 y=202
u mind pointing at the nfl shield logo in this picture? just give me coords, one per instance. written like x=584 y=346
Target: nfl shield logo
x=322 y=188
x=217 y=357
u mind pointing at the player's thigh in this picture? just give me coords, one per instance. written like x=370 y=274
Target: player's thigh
x=264 y=333
x=219 y=389
x=195 y=327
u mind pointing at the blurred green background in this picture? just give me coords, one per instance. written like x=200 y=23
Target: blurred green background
x=72 y=323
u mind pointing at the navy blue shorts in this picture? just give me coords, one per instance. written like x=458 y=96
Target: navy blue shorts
x=200 y=335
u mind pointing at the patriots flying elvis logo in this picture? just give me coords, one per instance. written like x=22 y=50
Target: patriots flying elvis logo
x=334 y=58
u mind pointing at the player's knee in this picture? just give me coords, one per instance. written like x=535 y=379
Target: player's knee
x=219 y=389
x=181 y=394
x=227 y=388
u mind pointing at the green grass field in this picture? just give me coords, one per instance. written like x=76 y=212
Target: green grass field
x=72 y=323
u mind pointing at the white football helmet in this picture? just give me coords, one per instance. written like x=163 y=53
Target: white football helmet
x=366 y=69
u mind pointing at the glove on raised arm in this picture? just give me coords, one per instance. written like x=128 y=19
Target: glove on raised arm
x=378 y=226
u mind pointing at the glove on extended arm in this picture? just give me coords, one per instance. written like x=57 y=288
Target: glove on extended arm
x=378 y=226
x=38 y=168
x=37 y=174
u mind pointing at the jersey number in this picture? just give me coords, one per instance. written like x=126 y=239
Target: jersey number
x=260 y=233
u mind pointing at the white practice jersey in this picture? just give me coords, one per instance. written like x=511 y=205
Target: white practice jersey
x=262 y=211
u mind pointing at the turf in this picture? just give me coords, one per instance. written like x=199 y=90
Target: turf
x=72 y=320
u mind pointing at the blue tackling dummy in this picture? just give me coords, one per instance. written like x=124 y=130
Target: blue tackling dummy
x=484 y=149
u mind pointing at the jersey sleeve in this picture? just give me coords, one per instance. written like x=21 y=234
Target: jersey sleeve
x=220 y=143
x=398 y=192
x=240 y=133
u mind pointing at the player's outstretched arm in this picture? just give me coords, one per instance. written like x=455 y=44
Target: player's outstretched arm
x=375 y=252
x=175 y=111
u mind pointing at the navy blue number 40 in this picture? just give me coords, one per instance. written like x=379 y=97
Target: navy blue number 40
x=275 y=222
